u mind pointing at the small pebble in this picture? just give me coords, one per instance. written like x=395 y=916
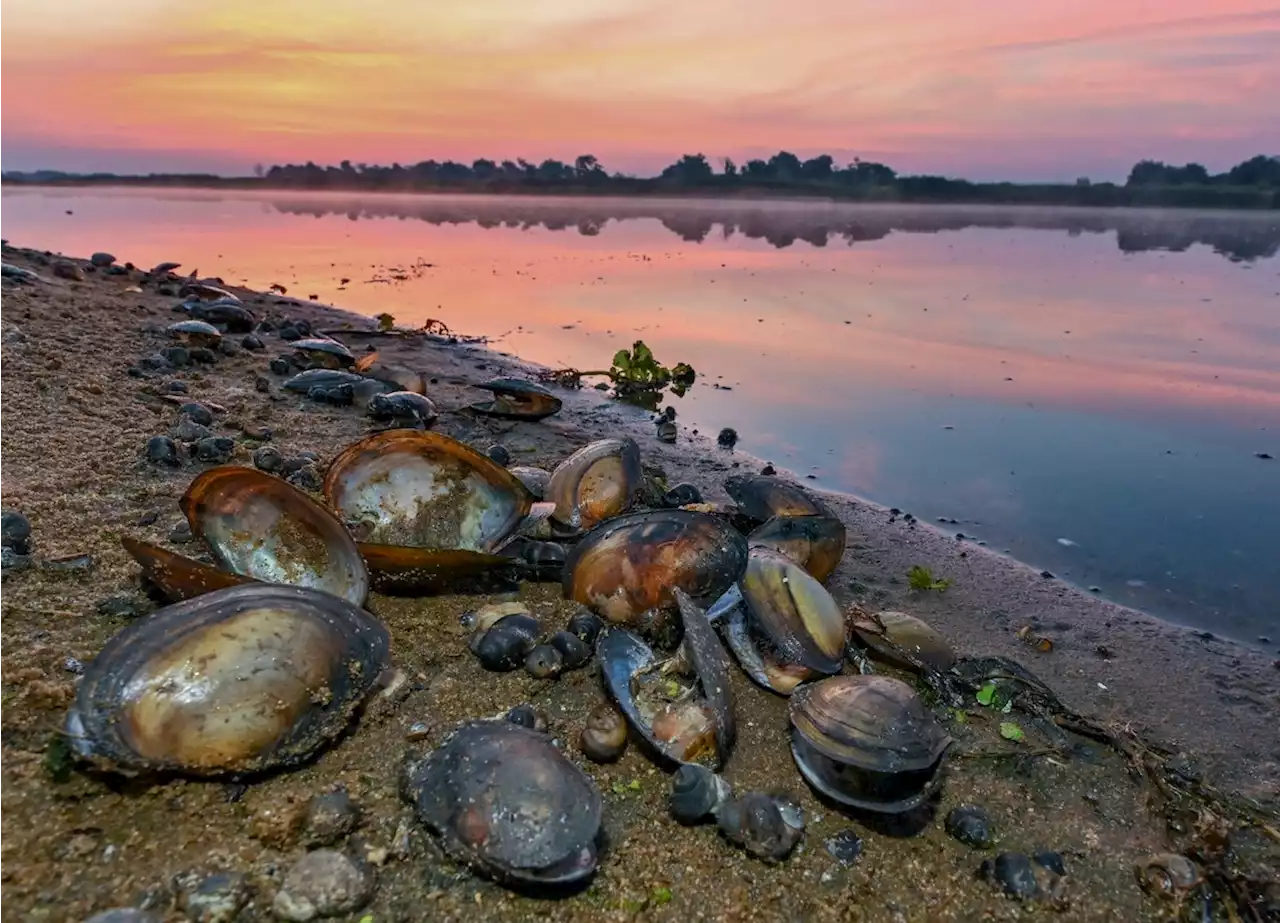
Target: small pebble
x=216 y=898
x=682 y=495
x=65 y=269
x=253 y=342
x=280 y=366
x=324 y=883
x=1012 y=873
x=330 y=817
x=181 y=533
x=971 y=825
x=204 y=355
x=102 y=259
x=161 y=450
x=499 y=453
x=197 y=413
x=306 y=477
x=268 y=458
x=261 y=384
x=289 y=333
x=121 y=607
x=769 y=470
x=527 y=716
x=176 y=387
x=667 y=431
x=227 y=347
x=845 y=847
x=177 y=356
x=190 y=431
x=1047 y=575
x=72 y=665
x=15 y=532
x=215 y=449
x=727 y=438
x=418 y=731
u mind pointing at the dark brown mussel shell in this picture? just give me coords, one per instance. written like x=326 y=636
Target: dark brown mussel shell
x=362 y=387
x=239 y=680
x=323 y=353
x=195 y=333
x=262 y=527
x=684 y=719
x=505 y=801
x=595 y=483
x=517 y=399
x=761 y=497
x=401 y=570
x=816 y=543
x=396 y=377
x=867 y=742
x=903 y=640
x=177 y=576
x=230 y=314
x=628 y=568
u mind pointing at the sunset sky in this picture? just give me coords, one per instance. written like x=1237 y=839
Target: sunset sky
x=1018 y=89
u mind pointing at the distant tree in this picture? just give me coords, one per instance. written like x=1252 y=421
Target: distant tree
x=1256 y=171
x=484 y=170
x=785 y=165
x=259 y=171
x=587 y=167
x=690 y=169
x=1083 y=181
x=817 y=168
x=756 y=169
x=730 y=168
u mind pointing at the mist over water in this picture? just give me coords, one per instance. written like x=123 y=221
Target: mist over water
x=1085 y=389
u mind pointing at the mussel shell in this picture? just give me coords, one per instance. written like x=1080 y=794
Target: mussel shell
x=595 y=483
x=904 y=641
x=400 y=570
x=230 y=314
x=874 y=722
x=710 y=664
x=362 y=387
x=196 y=332
x=517 y=399
x=177 y=576
x=262 y=527
x=816 y=543
x=395 y=377
x=535 y=479
x=761 y=497
x=328 y=353
x=426 y=490
x=505 y=801
x=629 y=567
x=781 y=678
x=789 y=608
x=235 y=681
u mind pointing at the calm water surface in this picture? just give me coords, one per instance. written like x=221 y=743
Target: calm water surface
x=1086 y=390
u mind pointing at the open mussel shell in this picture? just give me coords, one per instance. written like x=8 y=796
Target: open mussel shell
x=425 y=490
x=505 y=801
x=517 y=399
x=177 y=576
x=394 y=377
x=595 y=483
x=235 y=681
x=628 y=568
x=816 y=543
x=535 y=479
x=682 y=723
x=262 y=527
x=324 y=353
x=362 y=387
x=903 y=640
x=761 y=497
x=792 y=630
x=867 y=742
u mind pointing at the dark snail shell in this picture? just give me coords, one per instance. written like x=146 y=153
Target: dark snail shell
x=505 y=801
x=792 y=614
x=535 y=479
x=176 y=576
x=407 y=408
x=903 y=640
x=232 y=315
x=362 y=387
x=816 y=543
x=696 y=794
x=767 y=826
x=761 y=497
x=516 y=399
x=262 y=527
x=627 y=569
x=866 y=741
x=595 y=483
x=683 y=725
x=238 y=680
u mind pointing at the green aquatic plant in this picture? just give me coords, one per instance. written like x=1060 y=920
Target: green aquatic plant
x=1010 y=730
x=921 y=579
x=636 y=374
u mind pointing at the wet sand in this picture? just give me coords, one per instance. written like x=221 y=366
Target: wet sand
x=74 y=427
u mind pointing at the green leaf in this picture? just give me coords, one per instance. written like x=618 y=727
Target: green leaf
x=1010 y=731
x=959 y=715
x=987 y=694
x=634 y=785
x=367 y=918
x=622 y=359
x=660 y=896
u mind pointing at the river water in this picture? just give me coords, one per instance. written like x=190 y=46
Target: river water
x=1086 y=390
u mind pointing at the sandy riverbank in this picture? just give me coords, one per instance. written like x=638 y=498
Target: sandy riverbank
x=74 y=425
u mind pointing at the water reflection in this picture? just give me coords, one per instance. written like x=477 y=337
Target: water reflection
x=1027 y=375
x=1238 y=237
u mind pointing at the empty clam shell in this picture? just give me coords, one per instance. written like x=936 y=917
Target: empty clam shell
x=595 y=483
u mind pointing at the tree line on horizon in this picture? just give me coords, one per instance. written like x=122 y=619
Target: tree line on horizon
x=1253 y=183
